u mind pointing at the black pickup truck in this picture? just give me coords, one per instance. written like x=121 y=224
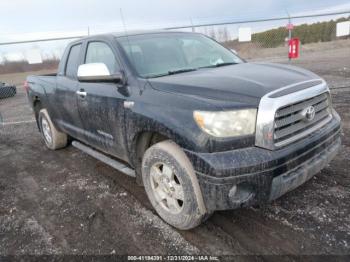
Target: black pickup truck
x=199 y=128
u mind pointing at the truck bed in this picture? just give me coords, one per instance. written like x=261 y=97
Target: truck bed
x=39 y=83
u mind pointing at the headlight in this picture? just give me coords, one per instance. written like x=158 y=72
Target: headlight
x=227 y=123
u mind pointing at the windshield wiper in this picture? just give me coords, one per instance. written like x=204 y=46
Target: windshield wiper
x=172 y=72
x=179 y=71
x=220 y=64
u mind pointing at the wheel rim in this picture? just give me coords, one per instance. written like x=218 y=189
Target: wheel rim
x=167 y=188
x=46 y=130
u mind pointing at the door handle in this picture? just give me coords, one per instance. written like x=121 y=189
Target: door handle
x=81 y=93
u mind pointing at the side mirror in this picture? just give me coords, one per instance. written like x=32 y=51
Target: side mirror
x=97 y=72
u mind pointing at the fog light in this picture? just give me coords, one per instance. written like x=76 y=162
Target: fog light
x=241 y=193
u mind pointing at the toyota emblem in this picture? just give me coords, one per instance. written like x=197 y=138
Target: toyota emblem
x=309 y=113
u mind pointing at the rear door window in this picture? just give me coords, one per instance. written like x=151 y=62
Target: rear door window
x=73 y=61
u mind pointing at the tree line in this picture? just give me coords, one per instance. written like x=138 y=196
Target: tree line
x=307 y=33
x=8 y=67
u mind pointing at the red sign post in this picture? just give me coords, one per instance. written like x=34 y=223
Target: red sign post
x=293 y=48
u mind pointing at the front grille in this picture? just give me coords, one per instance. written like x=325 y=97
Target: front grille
x=290 y=122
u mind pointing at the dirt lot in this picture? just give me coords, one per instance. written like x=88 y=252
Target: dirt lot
x=66 y=202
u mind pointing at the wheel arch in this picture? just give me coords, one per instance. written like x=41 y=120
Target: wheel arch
x=141 y=142
x=37 y=106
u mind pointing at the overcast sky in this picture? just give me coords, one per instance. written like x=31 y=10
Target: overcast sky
x=31 y=16
x=32 y=19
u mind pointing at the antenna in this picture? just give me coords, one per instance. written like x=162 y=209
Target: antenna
x=126 y=34
x=123 y=21
x=127 y=39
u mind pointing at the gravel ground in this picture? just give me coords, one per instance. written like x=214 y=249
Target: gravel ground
x=65 y=202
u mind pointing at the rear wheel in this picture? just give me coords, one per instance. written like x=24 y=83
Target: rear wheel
x=172 y=186
x=53 y=138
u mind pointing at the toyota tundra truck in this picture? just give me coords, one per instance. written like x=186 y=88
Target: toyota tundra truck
x=200 y=128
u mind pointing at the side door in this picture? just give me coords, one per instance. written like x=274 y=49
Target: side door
x=102 y=107
x=65 y=96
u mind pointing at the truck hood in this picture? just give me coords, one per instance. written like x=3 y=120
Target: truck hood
x=235 y=85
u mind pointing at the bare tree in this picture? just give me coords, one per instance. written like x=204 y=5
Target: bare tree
x=212 y=32
x=225 y=34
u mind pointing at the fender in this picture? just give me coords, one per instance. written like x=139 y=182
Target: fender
x=139 y=123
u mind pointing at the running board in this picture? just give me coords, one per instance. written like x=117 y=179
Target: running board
x=105 y=159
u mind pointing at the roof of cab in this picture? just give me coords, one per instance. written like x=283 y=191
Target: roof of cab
x=128 y=33
x=142 y=32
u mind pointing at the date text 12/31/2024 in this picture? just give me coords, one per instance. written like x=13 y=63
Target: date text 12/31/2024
x=173 y=258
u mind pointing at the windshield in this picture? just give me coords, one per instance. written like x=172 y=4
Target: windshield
x=154 y=55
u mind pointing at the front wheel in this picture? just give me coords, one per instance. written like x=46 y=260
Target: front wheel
x=172 y=186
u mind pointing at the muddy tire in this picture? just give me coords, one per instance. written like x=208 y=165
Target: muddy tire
x=53 y=138
x=172 y=186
